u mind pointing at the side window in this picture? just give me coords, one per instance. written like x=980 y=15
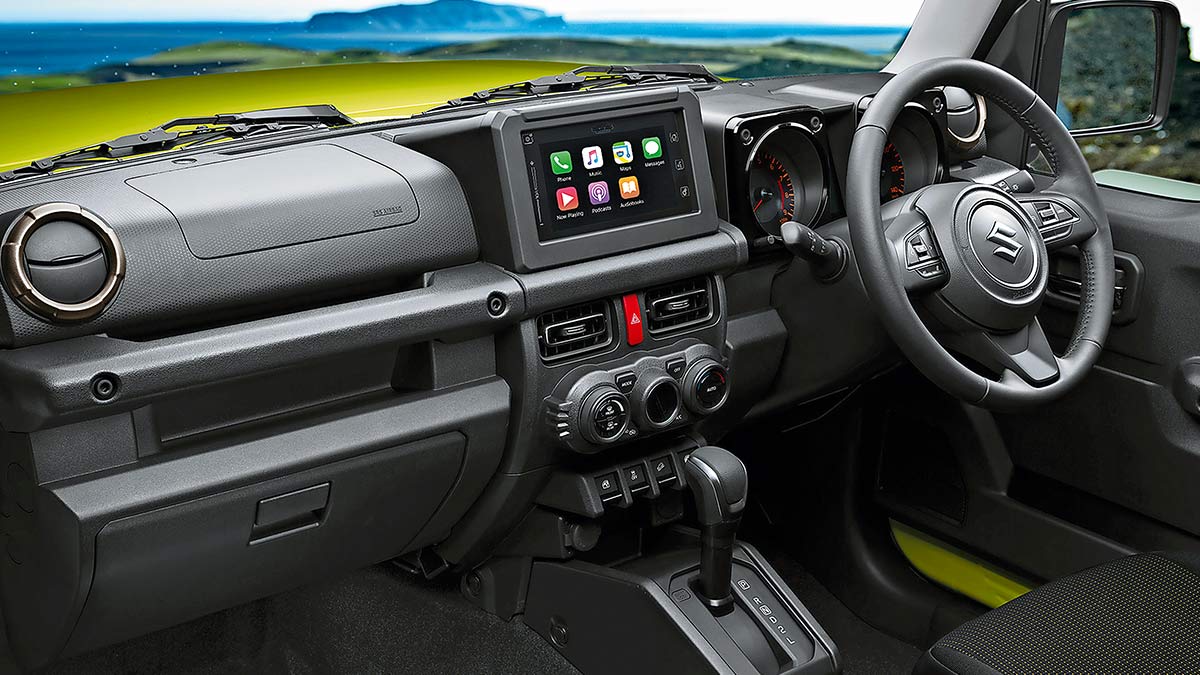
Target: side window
x=1109 y=80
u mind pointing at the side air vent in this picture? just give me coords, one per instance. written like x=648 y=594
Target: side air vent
x=62 y=263
x=679 y=305
x=575 y=330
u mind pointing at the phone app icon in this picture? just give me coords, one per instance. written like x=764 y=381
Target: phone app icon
x=568 y=199
x=560 y=162
x=651 y=147
x=629 y=187
x=598 y=193
x=592 y=157
x=623 y=152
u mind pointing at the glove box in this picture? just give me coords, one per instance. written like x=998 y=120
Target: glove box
x=109 y=556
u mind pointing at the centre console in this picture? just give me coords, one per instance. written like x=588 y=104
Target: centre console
x=604 y=211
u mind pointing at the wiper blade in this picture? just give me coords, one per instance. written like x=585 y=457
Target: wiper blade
x=206 y=130
x=587 y=78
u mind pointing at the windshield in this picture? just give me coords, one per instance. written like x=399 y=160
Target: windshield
x=80 y=71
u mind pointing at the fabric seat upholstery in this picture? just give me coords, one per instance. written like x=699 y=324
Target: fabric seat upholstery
x=1139 y=614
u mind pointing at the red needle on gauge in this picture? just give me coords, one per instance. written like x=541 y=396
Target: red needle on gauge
x=760 y=203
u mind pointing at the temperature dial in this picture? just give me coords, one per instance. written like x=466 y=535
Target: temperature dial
x=706 y=386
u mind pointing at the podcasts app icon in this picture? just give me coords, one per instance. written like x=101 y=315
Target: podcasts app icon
x=598 y=193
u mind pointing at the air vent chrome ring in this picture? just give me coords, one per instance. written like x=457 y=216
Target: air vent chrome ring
x=20 y=284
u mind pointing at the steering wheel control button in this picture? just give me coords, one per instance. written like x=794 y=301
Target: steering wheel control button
x=1054 y=219
x=608 y=486
x=706 y=387
x=919 y=248
x=633 y=319
x=932 y=271
x=676 y=368
x=626 y=382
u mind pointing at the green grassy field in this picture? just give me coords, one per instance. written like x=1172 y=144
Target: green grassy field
x=57 y=112
x=40 y=123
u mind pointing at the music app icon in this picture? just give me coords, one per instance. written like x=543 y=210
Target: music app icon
x=593 y=158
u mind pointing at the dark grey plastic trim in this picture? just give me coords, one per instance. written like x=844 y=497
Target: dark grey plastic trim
x=50 y=383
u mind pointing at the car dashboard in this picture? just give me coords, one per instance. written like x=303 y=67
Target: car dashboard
x=237 y=369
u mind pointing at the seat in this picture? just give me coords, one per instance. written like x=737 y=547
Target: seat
x=1139 y=614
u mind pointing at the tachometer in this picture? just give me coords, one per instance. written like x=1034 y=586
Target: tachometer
x=891 y=174
x=785 y=178
x=772 y=192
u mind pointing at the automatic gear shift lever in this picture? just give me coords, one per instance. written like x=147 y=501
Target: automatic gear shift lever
x=719 y=484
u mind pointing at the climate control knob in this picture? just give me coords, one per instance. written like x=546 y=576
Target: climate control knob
x=705 y=387
x=604 y=415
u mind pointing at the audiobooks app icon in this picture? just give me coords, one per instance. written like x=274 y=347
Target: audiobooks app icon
x=629 y=187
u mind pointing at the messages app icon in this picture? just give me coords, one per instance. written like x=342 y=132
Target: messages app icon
x=623 y=152
x=652 y=147
x=560 y=162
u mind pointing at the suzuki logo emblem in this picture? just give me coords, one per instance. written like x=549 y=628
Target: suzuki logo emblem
x=1005 y=239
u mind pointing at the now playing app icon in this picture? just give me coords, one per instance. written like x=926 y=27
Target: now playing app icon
x=598 y=193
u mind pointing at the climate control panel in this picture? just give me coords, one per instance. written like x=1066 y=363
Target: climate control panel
x=593 y=408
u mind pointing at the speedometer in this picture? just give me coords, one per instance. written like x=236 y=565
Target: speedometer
x=772 y=192
x=891 y=174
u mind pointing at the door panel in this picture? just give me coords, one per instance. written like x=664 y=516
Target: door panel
x=1124 y=435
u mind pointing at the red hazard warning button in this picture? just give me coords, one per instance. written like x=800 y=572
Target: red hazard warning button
x=633 y=319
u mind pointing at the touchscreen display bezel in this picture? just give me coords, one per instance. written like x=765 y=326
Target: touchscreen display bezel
x=526 y=250
x=609 y=174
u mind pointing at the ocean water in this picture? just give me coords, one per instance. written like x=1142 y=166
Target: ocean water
x=67 y=48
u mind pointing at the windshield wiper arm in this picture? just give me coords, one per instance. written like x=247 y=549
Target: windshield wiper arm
x=206 y=130
x=586 y=78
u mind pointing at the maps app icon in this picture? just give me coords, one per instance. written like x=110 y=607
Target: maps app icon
x=623 y=152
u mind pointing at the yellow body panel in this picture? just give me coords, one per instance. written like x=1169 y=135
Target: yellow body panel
x=955 y=570
x=42 y=123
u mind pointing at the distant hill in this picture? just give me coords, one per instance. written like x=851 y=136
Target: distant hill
x=788 y=56
x=436 y=16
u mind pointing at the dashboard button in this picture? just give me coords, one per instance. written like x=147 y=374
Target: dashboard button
x=633 y=319
x=636 y=477
x=626 y=382
x=664 y=470
x=676 y=367
x=608 y=485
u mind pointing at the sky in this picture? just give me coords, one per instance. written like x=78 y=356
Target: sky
x=858 y=12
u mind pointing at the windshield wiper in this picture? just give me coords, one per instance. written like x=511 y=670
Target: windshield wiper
x=588 y=78
x=206 y=130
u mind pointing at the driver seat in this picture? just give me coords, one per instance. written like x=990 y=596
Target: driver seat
x=1139 y=614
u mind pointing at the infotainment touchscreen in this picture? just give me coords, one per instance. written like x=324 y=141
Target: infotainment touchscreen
x=602 y=175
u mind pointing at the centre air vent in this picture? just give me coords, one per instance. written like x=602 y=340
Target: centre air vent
x=574 y=331
x=678 y=306
x=62 y=263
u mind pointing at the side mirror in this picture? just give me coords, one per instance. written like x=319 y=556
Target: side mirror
x=1110 y=64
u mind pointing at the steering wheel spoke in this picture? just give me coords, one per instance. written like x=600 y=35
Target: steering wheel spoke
x=1061 y=220
x=918 y=254
x=1024 y=354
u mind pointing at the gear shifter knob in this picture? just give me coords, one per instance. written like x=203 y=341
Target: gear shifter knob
x=719 y=485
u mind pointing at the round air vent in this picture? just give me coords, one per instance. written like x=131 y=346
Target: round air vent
x=62 y=263
x=966 y=116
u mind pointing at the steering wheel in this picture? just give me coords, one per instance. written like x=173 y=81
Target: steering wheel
x=974 y=258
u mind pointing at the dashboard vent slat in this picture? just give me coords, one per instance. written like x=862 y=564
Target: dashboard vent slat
x=678 y=306
x=573 y=331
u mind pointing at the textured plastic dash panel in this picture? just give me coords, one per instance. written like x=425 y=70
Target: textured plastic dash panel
x=165 y=284
x=280 y=198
